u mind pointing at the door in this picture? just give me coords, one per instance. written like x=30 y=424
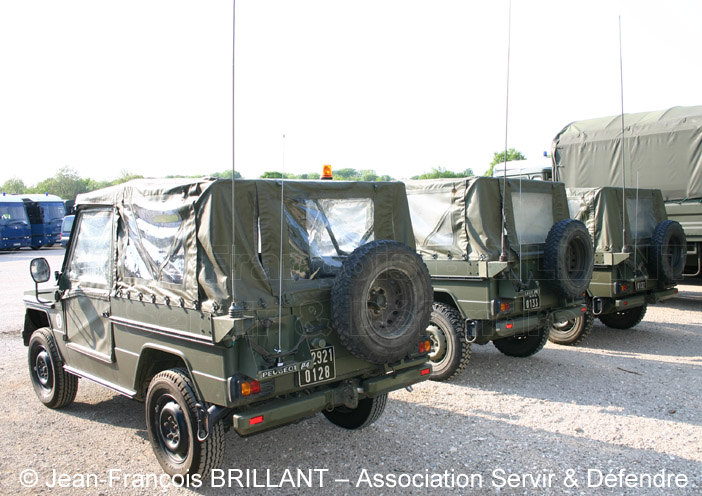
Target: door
x=86 y=283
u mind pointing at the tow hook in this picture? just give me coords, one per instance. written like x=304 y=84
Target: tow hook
x=596 y=306
x=471 y=332
x=208 y=418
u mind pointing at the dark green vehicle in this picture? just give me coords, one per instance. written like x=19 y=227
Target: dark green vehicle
x=629 y=276
x=329 y=314
x=489 y=287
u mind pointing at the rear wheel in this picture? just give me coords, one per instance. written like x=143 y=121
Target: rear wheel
x=624 y=319
x=171 y=420
x=574 y=331
x=368 y=411
x=54 y=387
x=450 y=352
x=523 y=345
x=668 y=251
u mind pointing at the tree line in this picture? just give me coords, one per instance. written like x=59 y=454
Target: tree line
x=67 y=183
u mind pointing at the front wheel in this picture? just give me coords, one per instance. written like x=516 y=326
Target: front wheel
x=574 y=331
x=171 y=420
x=54 y=387
x=368 y=411
x=450 y=352
x=523 y=345
x=624 y=319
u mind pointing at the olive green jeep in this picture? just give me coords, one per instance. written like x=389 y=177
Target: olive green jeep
x=506 y=261
x=627 y=275
x=329 y=310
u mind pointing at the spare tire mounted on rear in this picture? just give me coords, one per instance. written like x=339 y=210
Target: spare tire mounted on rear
x=381 y=301
x=569 y=257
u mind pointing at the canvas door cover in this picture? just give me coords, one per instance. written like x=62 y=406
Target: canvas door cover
x=661 y=149
x=462 y=218
x=174 y=236
x=602 y=212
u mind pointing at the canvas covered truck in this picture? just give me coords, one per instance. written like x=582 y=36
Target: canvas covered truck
x=508 y=290
x=639 y=257
x=661 y=149
x=318 y=303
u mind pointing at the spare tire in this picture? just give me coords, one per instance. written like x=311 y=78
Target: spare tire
x=569 y=257
x=381 y=301
x=668 y=251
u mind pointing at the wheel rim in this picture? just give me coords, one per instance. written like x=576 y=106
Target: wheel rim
x=565 y=326
x=388 y=303
x=575 y=256
x=43 y=370
x=172 y=429
x=439 y=343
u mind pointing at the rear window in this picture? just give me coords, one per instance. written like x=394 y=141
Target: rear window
x=533 y=216
x=323 y=232
x=431 y=219
x=642 y=217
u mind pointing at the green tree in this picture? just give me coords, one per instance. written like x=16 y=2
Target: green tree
x=66 y=184
x=499 y=158
x=14 y=186
x=440 y=172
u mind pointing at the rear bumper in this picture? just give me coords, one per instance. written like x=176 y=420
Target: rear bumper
x=520 y=325
x=633 y=301
x=279 y=412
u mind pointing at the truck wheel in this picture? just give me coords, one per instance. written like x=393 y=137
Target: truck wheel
x=668 y=251
x=381 y=301
x=624 y=319
x=450 y=352
x=55 y=387
x=569 y=257
x=368 y=411
x=523 y=345
x=171 y=421
x=574 y=331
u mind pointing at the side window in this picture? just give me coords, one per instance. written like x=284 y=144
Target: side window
x=90 y=260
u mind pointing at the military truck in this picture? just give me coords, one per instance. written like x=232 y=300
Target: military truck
x=639 y=256
x=658 y=149
x=489 y=287
x=319 y=303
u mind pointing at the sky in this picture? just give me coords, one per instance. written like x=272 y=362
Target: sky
x=397 y=86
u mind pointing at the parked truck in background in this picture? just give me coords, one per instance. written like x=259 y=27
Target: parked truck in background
x=661 y=149
x=46 y=213
x=15 y=232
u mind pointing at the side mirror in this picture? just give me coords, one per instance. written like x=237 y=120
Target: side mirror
x=40 y=270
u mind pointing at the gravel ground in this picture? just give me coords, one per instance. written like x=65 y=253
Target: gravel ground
x=625 y=403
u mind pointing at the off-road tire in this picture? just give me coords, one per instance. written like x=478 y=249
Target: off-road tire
x=54 y=387
x=572 y=332
x=450 y=353
x=170 y=411
x=368 y=411
x=381 y=301
x=523 y=345
x=668 y=251
x=568 y=257
x=624 y=319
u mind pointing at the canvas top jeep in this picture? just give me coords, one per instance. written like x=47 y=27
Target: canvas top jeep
x=627 y=276
x=505 y=260
x=329 y=312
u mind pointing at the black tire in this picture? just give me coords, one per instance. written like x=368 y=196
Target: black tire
x=381 y=301
x=569 y=257
x=171 y=421
x=49 y=245
x=523 y=345
x=368 y=411
x=450 y=353
x=36 y=247
x=54 y=387
x=668 y=251
x=624 y=319
x=572 y=332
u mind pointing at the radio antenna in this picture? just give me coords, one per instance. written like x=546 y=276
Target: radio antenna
x=280 y=260
x=503 y=254
x=625 y=247
x=235 y=310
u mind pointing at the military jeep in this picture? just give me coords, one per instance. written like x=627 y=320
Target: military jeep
x=506 y=261
x=319 y=303
x=630 y=275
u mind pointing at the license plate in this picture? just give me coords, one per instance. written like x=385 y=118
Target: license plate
x=322 y=369
x=640 y=285
x=532 y=302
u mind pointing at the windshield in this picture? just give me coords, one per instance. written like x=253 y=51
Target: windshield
x=53 y=211
x=13 y=214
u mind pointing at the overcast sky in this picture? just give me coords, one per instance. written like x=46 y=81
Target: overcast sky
x=397 y=86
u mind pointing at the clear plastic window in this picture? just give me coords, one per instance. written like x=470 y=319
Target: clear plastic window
x=324 y=232
x=155 y=249
x=642 y=218
x=90 y=261
x=431 y=219
x=533 y=216
x=576 y=207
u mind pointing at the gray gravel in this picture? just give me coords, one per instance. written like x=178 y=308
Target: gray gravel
x=625 y=400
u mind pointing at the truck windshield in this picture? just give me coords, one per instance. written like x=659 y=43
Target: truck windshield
x=53 y=211
x=13 y=214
